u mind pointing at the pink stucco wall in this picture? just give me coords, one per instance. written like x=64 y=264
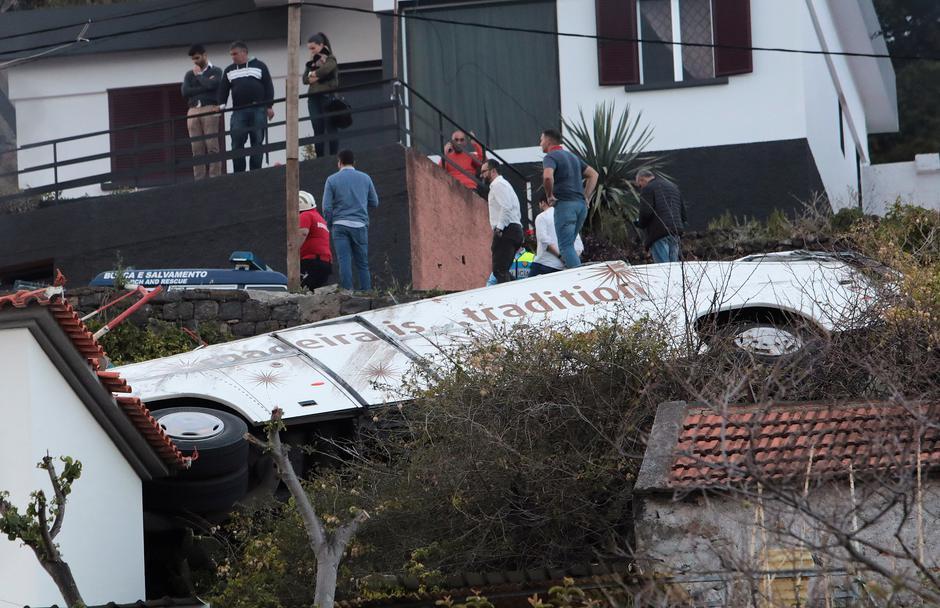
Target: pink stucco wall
x=450 y=229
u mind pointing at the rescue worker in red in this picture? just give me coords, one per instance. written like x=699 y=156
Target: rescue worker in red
x=316 y=260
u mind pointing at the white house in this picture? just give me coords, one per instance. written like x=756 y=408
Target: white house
x=744 y=130
x=57 y=400
x=131 y=68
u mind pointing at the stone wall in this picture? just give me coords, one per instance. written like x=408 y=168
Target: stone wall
x=240 y=313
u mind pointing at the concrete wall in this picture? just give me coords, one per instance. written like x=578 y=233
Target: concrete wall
x=200 y=224
x=916 y=183
x=713 y=543
x=102 y=535
x=238 y=313
x=450 y=229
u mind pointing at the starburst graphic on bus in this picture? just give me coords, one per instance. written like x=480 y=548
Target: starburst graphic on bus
x=267 y=379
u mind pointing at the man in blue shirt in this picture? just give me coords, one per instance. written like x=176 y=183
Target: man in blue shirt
x=562 y=172
x=347 y=196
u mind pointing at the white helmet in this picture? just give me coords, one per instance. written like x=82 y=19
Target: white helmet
x=307 y=202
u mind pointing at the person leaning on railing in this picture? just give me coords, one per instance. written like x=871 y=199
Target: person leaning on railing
x=321 y=76
x=201 y=90
x=250 y=83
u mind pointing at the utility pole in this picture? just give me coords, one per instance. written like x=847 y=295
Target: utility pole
x=292 y=119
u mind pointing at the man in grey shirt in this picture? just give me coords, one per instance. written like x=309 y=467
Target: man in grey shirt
x=347 y=196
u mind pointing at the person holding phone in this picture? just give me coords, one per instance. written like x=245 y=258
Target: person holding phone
x=321 y=77
x=463 y=158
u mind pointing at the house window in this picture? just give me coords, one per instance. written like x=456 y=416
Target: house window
x=726 y=24
x=665 y=21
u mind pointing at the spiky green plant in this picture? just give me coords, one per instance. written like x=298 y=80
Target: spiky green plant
x=612 y=143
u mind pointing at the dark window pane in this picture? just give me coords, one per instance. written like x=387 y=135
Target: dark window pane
x=496 y=83
x=695 y=22
x=656 y=25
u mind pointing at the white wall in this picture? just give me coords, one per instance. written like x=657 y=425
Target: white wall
x=102 y=536
x=884 y=184
x=61 y=97
x=826 y=80
x=762 y=106
x=787 y=96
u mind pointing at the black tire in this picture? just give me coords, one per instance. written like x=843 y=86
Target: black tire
x=197 y=496
x=219 y=454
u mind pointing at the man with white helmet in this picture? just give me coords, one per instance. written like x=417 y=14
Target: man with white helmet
x=316 y=261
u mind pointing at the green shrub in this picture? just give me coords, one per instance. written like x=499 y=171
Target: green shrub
x=128 y=343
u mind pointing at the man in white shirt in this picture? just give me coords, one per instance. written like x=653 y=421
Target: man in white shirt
x=547 y=257
x=505 y=219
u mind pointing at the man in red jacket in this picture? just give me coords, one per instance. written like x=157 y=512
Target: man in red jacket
x=316 y=261
x=463 y=158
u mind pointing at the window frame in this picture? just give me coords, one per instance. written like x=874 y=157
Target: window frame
x=676 y=26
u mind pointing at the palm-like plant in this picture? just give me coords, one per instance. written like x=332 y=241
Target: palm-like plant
x=613 y=146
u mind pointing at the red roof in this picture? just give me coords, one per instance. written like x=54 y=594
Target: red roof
x=53 y=300
x=786 y=441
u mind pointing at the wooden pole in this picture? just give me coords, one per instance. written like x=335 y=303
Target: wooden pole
x=292 y=118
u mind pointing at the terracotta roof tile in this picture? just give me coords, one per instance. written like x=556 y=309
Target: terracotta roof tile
x=744 y=444
x=52 y=299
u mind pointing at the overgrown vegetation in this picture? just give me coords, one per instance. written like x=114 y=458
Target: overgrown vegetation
x=613 y=144
x=523 y=455
x=129 y=343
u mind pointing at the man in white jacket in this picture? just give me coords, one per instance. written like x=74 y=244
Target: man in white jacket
x=547 y=257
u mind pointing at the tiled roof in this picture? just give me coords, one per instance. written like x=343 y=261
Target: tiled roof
x=167 y=602
x=53 y=300
x=785 y=441
x=504 y=588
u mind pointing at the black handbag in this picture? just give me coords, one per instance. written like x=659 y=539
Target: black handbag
x=341 y=112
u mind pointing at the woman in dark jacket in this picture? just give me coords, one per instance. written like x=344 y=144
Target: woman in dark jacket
x=321 y=77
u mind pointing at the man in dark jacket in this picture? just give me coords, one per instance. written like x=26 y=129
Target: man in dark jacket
x=250 y=83
x=201 y=90
x=662 y=216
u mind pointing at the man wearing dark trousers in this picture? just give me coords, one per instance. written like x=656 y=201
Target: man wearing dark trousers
x=316 y=260
x=249 y=81
x=662 y=216
x=347 y=197
x=505 y=219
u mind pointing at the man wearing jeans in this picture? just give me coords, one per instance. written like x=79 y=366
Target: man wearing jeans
x=562 y=173
x=250 y=84
x=662 y=216
x=347 y=196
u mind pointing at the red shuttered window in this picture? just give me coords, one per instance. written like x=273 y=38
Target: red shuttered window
x=732 y=28
x=617 y=60
x=660 y=23
x=156 y=164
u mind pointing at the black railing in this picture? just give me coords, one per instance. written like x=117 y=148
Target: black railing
x=398 y=122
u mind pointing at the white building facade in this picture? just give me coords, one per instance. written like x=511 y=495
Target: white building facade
x=72 y=93
x=816 y=109
x=55 y=404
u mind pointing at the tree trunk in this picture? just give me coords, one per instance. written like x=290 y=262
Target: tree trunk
x=62 y=576
x=327 y=569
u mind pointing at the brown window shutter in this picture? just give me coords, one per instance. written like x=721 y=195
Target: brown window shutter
x=617 y=60
x=731 y=21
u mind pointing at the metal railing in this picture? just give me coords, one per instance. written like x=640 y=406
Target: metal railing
x=395 y=98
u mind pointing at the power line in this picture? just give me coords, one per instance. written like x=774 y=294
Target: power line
x=143 y=30
x=103 y=19
x=508 y=28
x=505 y=28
